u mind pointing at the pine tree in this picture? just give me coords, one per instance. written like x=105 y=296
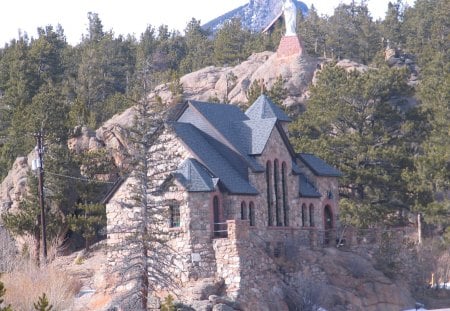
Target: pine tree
x=230 y=43
x=88 y=220
x=392 y=24
x=43 y=304
x=199 y=48
x=312 y=32
x=354 y=121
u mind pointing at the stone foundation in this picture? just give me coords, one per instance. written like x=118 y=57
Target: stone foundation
x=289 y=45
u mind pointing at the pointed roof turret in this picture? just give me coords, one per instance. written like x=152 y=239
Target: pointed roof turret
x=264 y=108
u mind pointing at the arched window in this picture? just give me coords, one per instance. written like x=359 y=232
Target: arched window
x=243 y=211
x=251 y=213
x=304 y=216
x=269 y=193
x=311 y=215
x=277 y=195
x=285 y=194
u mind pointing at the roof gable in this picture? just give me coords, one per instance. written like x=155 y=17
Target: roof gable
x=264 y=108
x=194 y=177
x=318 y=166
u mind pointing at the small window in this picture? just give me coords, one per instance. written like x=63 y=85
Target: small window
x=174 y=215
x=243 y=211
x=311 y=216
x=251 y=213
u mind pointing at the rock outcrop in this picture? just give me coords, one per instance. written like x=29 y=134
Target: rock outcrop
x=14 y=186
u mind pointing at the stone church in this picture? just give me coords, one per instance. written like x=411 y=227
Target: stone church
x=235 y=195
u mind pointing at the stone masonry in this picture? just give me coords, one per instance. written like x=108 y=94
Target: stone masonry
x=289 y=45
x=200 y=257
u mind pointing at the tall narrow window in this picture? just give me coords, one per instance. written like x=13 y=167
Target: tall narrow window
x=311 y=216
x=269 y=194
x=174 y=215
x=277 y=195
x=304 y=217
x=251 y=213
x=243 y=211
x=217 y=217
x=285 y=194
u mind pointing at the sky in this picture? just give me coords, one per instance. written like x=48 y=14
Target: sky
x=130 y=16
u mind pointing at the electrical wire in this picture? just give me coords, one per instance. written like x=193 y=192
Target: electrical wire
x=80 y=178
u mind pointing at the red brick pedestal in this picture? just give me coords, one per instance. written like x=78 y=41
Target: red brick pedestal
x=289 y=45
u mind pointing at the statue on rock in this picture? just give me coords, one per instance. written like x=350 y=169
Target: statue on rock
x=290 y=17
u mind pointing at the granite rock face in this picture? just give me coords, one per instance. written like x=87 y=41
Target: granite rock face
x=255 y=15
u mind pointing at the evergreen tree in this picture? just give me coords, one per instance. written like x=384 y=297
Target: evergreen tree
x=199 y=48
x=392 y=24
x=354 y=121
x=430 y=180
x=106 y=67
x=352 y=34
x=312 y=30
x=43 y=304
x=229 y=44
x=426 y=27
x=88 y=220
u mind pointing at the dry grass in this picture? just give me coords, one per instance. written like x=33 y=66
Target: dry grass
x=27 y=282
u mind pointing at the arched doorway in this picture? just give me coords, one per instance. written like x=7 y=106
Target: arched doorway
x=328 y=224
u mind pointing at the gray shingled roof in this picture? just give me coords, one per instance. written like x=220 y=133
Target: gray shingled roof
x=319 y=166
x=264 y=108
x=195 y=177
x=222 y=117
x=233 y=176
x=307 y=190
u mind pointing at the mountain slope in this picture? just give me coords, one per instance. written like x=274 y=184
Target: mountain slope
x=255 y=15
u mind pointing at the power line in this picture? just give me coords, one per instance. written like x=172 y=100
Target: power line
x=80 y=178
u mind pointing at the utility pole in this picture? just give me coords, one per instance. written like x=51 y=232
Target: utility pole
x=40 y=167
